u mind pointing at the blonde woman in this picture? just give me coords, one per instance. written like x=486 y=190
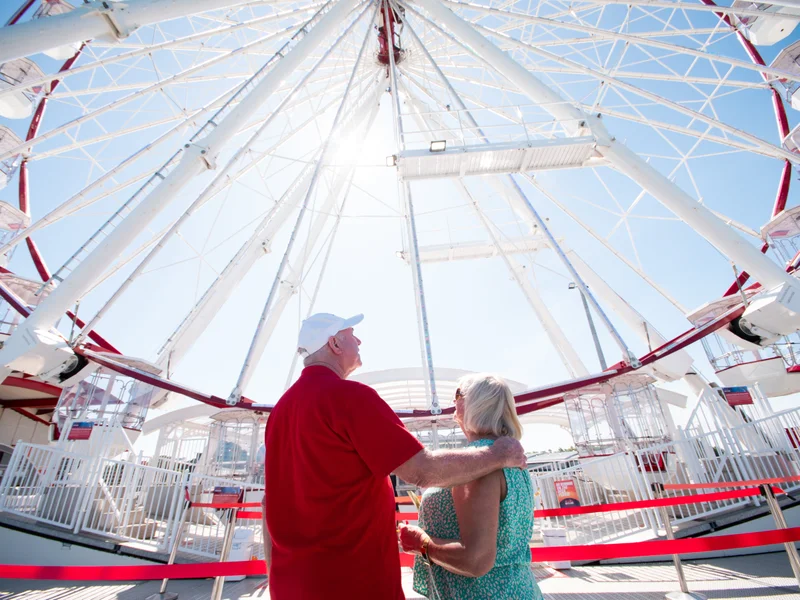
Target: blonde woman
x=475 y=536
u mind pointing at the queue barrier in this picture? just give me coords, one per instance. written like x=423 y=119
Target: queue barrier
x=675 y=547
x=257 y=567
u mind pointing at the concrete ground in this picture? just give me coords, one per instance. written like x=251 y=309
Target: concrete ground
x=754 y=577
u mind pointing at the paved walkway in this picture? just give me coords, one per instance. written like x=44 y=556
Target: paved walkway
x=755 y=577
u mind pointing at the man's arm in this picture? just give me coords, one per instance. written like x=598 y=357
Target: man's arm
x=448 y=468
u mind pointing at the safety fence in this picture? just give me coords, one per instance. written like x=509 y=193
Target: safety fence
x=766 y=489
x=764 y=448
x=119 y=500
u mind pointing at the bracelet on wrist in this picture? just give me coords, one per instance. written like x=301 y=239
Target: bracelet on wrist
x=424 y=548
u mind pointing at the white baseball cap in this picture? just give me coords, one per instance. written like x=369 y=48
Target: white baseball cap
x=317 y=329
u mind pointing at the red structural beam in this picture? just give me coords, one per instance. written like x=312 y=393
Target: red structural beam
x=527 y=401
x=31 y=416
x=32 y=384
x=782 y=122
x=49 y=402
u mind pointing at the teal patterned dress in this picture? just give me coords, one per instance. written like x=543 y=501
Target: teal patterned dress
x=511 y=577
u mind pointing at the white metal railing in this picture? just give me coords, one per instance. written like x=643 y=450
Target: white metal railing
x=205 y=527
x=117 y=499
x=763 y=448
x=46 y=484
x=140 y=503
x=131 y=502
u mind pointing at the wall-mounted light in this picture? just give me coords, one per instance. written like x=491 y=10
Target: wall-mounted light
x=438 y=146
x=391 y=161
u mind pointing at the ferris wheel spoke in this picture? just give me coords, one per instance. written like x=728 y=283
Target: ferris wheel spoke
x=91 y=21
x=195 y=322
x=526 y=212
x=92 y=116
x=765 y=147
x=549 y=325
x=265 y=325
x=223 y=179
x=596 y=32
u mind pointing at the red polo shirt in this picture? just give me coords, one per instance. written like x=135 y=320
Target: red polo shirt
x=331 y=444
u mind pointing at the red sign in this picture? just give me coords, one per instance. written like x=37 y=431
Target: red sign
x=737 y=396
x=566 y=493
x=226 y=495
x=80 y=430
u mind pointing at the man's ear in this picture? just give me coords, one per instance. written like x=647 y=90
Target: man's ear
x=333 y=344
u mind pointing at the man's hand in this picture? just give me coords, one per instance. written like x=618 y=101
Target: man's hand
x=509 y=452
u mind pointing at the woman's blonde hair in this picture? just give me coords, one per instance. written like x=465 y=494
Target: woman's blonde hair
x=489 y=406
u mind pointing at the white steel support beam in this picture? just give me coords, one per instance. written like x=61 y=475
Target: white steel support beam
x=114 y=20
x=413 y=245
x=694 y=214
x=195 y=159
x=180 y=43
x=212 y=188
x=761 y=146
x=697 y=216
x=25 y=147
x=552 y=329
x=676 y=365
x=289 y=283
x=598 y=33
x=194 y=324
x=518 y=200
x=261 y=335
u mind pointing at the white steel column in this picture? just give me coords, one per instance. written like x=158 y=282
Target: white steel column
x=287 y=284
x=211 y=189
x=196 y=158
x=193 y=325
x=96 y=19
x=566 y=352
x=413 y=245
x=519 y=201
x=694 y=214
x=262 y=333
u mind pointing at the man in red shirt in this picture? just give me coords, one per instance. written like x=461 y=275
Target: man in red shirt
x=330 y=447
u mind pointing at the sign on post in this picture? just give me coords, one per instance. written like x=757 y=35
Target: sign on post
x=737 y=396
x=566 y=493
x=80 y=430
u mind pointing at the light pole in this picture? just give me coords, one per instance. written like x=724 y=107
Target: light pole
x=597 y=346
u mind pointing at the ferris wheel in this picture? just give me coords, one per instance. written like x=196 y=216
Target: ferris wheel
x=168 y=164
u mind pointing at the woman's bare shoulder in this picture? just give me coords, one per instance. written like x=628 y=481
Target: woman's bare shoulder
x=484 y=485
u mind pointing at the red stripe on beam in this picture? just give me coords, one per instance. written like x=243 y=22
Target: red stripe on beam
x=31 y=416
x=223 y=505
x=30 y=403
x=32 y=384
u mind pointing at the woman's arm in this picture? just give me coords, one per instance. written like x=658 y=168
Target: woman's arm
x=478 y=508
